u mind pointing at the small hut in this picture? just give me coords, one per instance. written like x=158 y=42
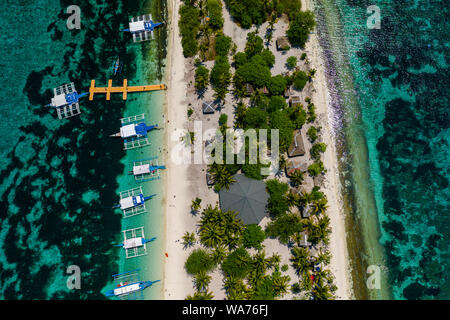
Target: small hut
x=249 y=89
x=306 y=211
x=287 y=93
x=293 y=166
x=208 y=107
x=295 y=101
x=304 y=239
x=297 y=148
x=283 y=44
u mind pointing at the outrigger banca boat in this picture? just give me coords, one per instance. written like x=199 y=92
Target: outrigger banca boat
x=65 y=101
x=134 y=242
x=128 y=286
x=132 y=202
x=146 y=169
x=117 y=66
x=142 y=28
x=134 y=132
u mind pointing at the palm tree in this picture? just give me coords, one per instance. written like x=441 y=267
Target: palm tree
x=196 y=205
x=280 y=284
x=219 y=254
x=201 y=296
x=211 y=235
x=297 y=178
x=188 y=239
x=222 y=177
x=201 y=281
x=300 y=260
x=273 y=260
x=319 y=206
x=323 y=257
x=323 y=229
x=305 y=198
x=292 y=199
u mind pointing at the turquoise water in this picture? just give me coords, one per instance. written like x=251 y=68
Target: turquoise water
x=60 y=178
x=399 y=104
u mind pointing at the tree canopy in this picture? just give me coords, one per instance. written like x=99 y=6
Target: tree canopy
x=300 y=27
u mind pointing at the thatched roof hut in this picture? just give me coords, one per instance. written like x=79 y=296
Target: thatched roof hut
x=283 y=44
x=297 y=148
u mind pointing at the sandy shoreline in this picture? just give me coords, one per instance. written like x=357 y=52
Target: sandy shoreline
x=177 y=284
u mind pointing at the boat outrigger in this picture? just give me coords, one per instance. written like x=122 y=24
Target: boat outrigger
x=134 y=132
x=142 y=28
x=134 y=242
x=65 y=101
x=146 y=169
x=132 y=202
x=128 y=286
x=117 y=67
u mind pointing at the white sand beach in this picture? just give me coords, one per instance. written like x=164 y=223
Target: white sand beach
x=184 y=182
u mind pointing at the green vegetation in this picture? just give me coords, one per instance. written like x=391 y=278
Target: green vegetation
x=312 y=134
x=190 y=112
x=299 y=79
x=249 y=12
x=277 y=85
x=291 y=62
x=223 y=44
x=223 y=119
x=218 y=228
x=201 y=78
x=237 y=264
x=222 y=176
x=189 y=25
x=303 y=56
x=289 y=7
x=220 y=77
x=188 y=239
x=300 y=27
x=277 y=203
x=284 y=227
x=196 y=204
x=317 y=149
x=253 y=236
x=316 y=168
x=214 y=8
x=199 y=261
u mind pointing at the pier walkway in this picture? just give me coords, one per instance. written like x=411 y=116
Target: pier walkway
x=124 y=89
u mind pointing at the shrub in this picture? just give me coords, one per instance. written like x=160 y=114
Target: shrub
x=284 y=227
x=223 y=119
x=238 y=264
x=199 y=260
x=316 y=168
x=291 y=62
x=223 y=45
x=299 y=80
x=253 y=236
x=277 y=85
x=248 y=12
x=284 y=267
x=303 y=56
x=312 y=134
x=254 y=45
x=201 y=77
x=317 y=149
x=189 y=24
x=190 y=112
x=214 y=8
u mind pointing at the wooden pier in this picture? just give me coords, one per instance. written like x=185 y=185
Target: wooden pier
x=124 y=89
